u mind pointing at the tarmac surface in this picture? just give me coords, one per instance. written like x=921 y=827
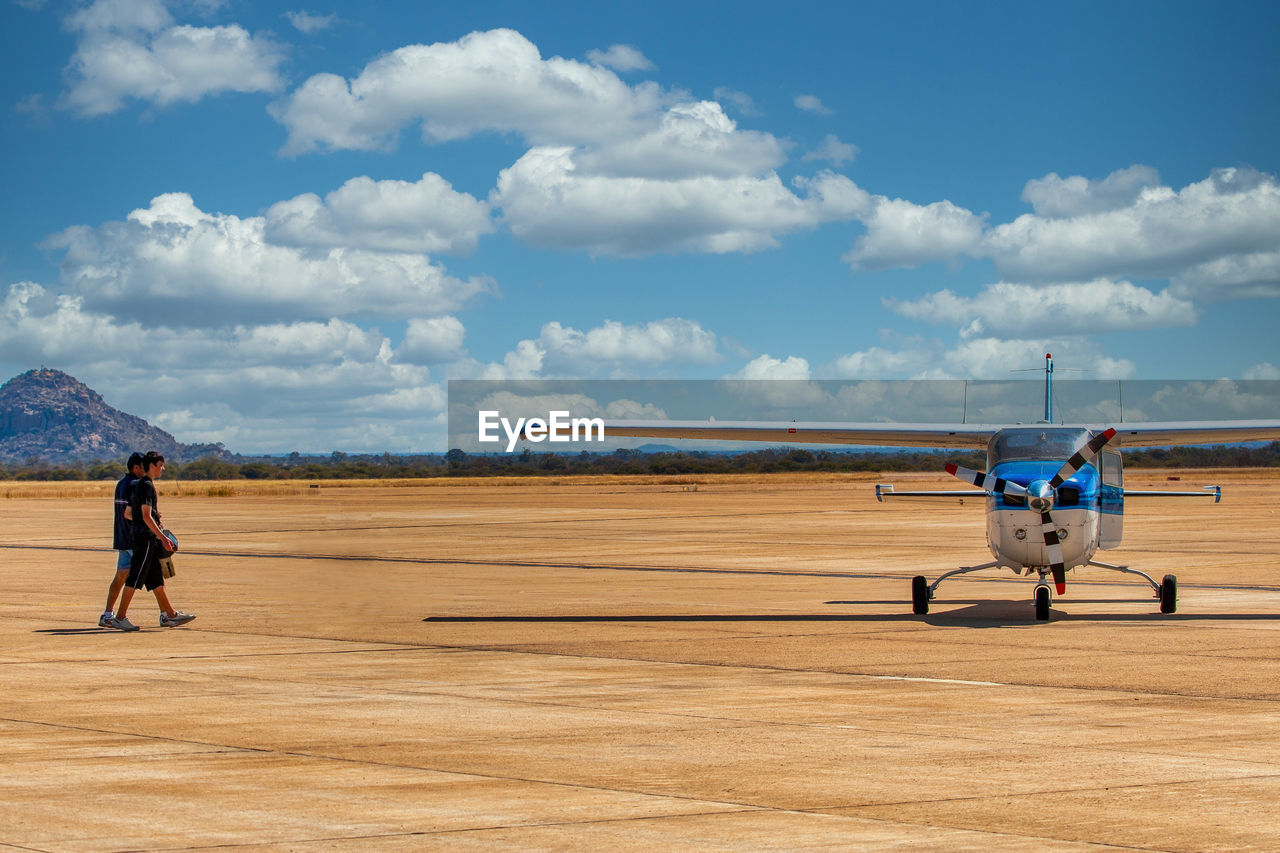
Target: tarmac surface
x=664 y=664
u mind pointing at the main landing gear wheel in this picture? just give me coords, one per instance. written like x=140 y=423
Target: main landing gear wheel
x=1042 y=603
x=1169 y=594
x=919 y=595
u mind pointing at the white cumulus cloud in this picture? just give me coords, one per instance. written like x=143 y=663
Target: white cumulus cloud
x=1245 y=276
x=691 y=139
x=309 y=385
x=132 y=49
x=546 y=201
x=903 y=234
x=811 y=104
x=1162 y=233
x=976 y=358
x=621 y=57
x=1215 y=239
x=387 y=216
x=883 y=363
x=833 y=150
x=742 y=103
x=612 y=348
x=614 y=169
x=1054 y=197
x=310 y=24
x=1265 y=370
x=174 y=263
x=768 y=367
x=431 y=340
x=485 y=81
x=1020 y=311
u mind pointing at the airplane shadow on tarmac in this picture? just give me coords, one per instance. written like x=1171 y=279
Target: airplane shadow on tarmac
x=977 y=614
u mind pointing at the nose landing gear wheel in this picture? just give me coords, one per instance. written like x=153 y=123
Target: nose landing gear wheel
x=919 y=595
x=1042 y=603
x=1169 y=594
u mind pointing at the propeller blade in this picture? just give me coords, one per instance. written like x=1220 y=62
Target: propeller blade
x=1048 y=529
x=986 y=481
x=1081 y=457
x=1054 y=547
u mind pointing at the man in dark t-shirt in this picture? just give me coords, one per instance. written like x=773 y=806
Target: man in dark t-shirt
x=150 y=544
x=122 y=537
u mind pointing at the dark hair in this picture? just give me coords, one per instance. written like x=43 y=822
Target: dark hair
x=152 y=458
x=134 y=459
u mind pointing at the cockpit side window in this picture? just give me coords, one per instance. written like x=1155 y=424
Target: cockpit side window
x=1112 y=467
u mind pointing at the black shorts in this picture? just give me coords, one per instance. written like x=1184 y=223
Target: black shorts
x=144 y=569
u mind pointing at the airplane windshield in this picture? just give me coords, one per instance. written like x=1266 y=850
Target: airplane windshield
x=1041 y=443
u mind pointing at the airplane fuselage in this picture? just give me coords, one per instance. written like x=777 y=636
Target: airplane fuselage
x=1086 y=512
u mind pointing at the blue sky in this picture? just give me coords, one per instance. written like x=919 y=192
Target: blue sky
x=285 y=227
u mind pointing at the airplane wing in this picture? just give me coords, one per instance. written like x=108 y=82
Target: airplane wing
x=973 y=436
x=791 y=432
x=1195 y=432
x=1214 y=492
x=886 y=490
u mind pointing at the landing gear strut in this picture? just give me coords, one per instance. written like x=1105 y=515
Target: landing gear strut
x=922 y=592
x=1166 y=591
x=1043 y=598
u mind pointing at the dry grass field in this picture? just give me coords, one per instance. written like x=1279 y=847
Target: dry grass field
x=672 y=663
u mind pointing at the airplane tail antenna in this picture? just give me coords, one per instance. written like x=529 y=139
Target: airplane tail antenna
x=1048 y=387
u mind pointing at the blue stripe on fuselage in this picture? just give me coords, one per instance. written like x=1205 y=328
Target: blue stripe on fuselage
x=1023 y=471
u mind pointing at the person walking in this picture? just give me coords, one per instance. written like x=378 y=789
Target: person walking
x=150 y=545
x=123 y=537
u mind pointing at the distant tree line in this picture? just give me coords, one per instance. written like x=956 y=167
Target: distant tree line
x=456 y=463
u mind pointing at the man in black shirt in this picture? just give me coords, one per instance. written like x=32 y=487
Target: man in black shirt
x=149 y=546
x=123 y=537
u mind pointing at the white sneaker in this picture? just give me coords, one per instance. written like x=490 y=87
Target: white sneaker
x=178 y=618
x=104 y=621
x=121 y=624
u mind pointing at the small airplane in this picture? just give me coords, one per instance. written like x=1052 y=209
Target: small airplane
x=1045 y=516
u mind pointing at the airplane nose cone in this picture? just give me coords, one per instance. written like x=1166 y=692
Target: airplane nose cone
x=1040 y=495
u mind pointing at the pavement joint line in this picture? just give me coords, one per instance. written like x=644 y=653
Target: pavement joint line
x=519 y=650
x=510 y=649
x=736 y=807
x=656 y=818
x=231 y=749
x=1099 y=845
x=733 y=722
x=726 y=721
x=537 y=522
x=1054 y=792
x=768 y=668
x=445 y=561
x=1060 y=651
x=728 y=813
x=400 y=647
x=373 y=558
x=939 y=680
x=478 y=829
x=738 y=721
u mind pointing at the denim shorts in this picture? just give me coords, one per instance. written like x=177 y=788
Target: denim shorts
x=123 y=560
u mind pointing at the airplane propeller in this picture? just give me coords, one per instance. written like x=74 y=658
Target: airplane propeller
x=1040 y=496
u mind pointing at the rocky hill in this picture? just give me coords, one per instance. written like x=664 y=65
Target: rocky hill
x=48 y=415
